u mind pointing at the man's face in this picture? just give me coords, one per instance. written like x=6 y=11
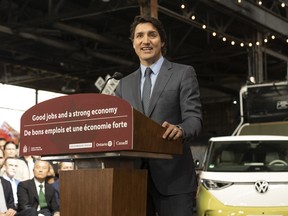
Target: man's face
x=147 y=43
x=10 y=150
x=11 y=167
x=41 y=169
x=66 y=166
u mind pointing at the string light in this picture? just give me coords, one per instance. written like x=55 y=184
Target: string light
x=233 y=40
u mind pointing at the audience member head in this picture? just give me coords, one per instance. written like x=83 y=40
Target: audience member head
x=65 y=165
x=10 y=167
x=2 y=142
x=10 y=149
x=41 y=170
x=1 y=157
x=51 y=175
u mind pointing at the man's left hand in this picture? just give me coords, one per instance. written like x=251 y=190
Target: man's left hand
x=172 y=131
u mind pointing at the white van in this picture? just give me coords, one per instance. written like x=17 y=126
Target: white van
x=244 y=175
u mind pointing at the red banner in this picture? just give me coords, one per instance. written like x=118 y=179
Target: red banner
x=77 y=123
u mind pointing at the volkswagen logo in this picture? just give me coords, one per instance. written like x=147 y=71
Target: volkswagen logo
x=261 y=186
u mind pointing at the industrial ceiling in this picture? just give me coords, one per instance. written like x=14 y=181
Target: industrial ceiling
x=65 y=45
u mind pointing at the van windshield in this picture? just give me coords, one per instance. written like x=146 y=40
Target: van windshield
x=247 y=156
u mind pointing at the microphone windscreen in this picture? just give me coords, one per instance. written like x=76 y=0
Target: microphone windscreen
x=117 y=75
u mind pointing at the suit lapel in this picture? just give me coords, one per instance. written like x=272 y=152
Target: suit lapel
x=136 y=92
x=47 y=193
x=162 y=79
x=34 y=189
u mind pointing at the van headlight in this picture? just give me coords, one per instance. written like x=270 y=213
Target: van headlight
x=215 y=185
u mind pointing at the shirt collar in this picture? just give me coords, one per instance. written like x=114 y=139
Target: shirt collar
x=38 y=183
x=5 y=176
x=154 y=67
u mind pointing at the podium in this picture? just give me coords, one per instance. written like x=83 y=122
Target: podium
x=116 y=138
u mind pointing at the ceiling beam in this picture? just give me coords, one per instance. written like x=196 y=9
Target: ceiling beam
x=89 y=34
x=253 y=12
x=65 y=46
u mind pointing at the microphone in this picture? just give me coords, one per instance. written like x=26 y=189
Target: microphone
x=116 y=75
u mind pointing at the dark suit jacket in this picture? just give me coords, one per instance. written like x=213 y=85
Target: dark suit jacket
x=176 y=99
x=8 y=193
x=28 y=196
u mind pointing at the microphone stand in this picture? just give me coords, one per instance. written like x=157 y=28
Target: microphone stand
x=116 y=75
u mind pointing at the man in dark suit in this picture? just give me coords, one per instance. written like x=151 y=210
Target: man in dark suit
x=29 y=198
x=6 y=198
x=175 y=104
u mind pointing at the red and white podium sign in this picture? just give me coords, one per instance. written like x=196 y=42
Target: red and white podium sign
x=79 y=123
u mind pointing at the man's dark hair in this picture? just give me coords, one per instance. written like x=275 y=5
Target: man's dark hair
x=156 y=23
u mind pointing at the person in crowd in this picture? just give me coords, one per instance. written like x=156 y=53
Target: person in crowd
x=62 y=166
x=29 y=161
x=6 y=198
x=2 y=143
x=35 y=196
x=51 y=177
x=10 y=168
x=2 y=159
x=10 y=150
x=168 y=93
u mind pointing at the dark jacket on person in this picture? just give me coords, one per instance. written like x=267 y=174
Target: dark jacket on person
x=28 y=196
x=8 y=193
